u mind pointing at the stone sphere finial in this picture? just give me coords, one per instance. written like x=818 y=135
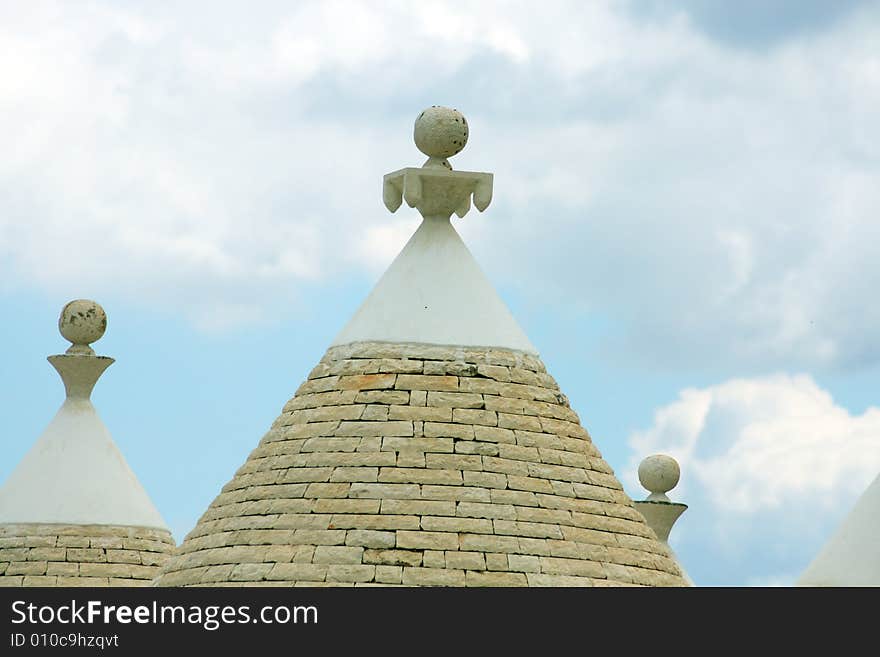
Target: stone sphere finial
x=659 y=474
x=440 y=133
x=82 y=322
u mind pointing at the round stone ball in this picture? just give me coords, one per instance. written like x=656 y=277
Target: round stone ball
x=82 y=322
x=659 y=473
x=440 y=132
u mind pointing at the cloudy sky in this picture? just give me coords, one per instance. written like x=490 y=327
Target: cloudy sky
x=684 y=222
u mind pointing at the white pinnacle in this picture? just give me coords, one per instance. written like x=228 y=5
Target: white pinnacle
x=659 y=474
x=74 y=473
x=435 y=292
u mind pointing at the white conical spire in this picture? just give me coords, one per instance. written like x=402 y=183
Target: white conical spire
x=434 y=292
x=74 y=474
x=851 y=557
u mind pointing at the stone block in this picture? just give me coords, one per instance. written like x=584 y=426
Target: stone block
x=426 y=382
x=336 y=505
x=476 y=448
x=350 y=573
x=421 y=475
x=494 y=435
x=579 y=567
x=482 y=510
x=434 y=559
x=342 y=474
x=485 y=479
x=250 y=572
x=26 y=568
x=448 y=430
x=433 y=577
x=522 y=422
x=541 y=580
x=375 y=413
x=495 y=561
x=319 y=490
x=455 y=524
x=421 y=413
x=517 y=497
x=338 y=554
x=476 y=578
x=524 y=563
x=474 y=416
x=389 y=574
x=465 y=560
x=355 y=521
x=366 y=382
x=466 y=493
x=486 y=543
x=421 y=540
x=368 y=538
x=385 y=491
x=399 y=444
x=529 y=529
x=382 y=397
x=390 y=428
x=292 y=572
x=393 y=557
x=531 y=484
x=455 y=399
x=506 y=466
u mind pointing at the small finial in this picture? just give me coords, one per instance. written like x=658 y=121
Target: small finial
x=82 y=322
x=659 y=474
x=440 y=133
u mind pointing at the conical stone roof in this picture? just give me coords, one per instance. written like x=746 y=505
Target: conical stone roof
x=429 y=446
x=73 y=513
x=851 y=556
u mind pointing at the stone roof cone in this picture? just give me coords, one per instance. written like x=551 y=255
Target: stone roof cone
x=851 y=556
x=429 y=446
x=73 y=513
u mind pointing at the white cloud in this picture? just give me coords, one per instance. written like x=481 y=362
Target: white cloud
x=768 y=464
x=765 y=443
x=717 y=203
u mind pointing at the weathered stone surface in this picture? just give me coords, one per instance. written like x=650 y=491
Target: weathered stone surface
x=425 y=382
x=365 y=382
x=370 y=538
x=414 y=465
x=81 y=555
x=427 y=540
x=433 y=577
x=496 y=579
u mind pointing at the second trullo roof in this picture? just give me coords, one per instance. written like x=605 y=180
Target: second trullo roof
x=73 y=513
x=429 y=446
x=851 y=557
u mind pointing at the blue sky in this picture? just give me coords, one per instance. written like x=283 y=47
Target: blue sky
x=684 y=223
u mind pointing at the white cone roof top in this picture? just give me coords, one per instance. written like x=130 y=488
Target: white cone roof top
x=74 y=474
x=851 y=557
x=434 y=292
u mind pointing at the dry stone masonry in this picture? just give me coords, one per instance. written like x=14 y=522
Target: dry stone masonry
x=407 y=464
x=81 y=555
